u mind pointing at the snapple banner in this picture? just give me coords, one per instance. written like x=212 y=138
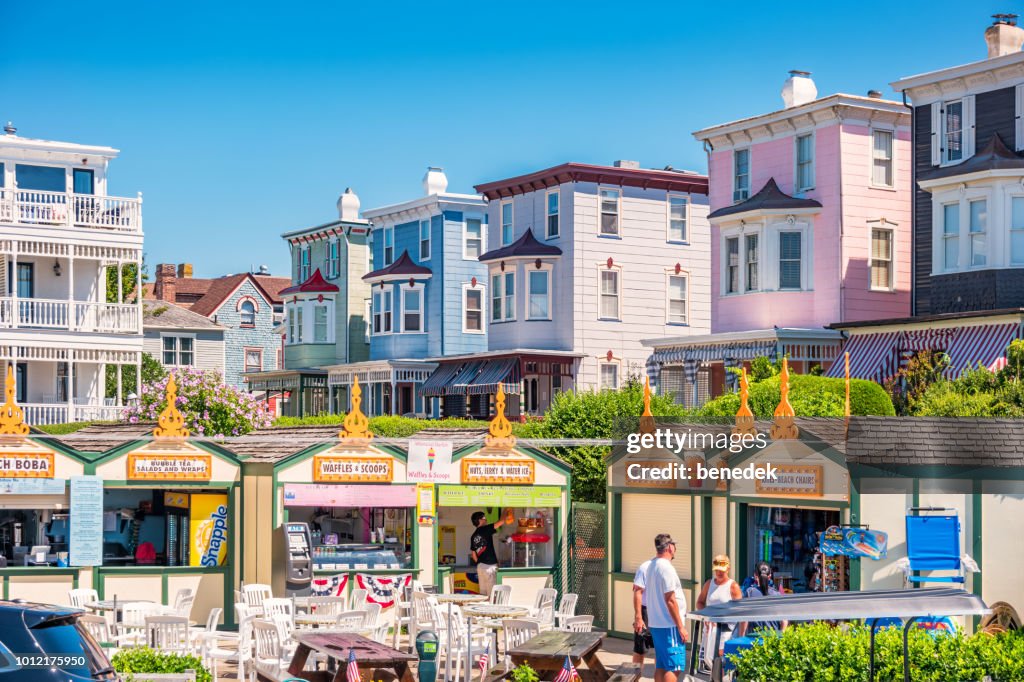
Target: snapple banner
x=208 y=523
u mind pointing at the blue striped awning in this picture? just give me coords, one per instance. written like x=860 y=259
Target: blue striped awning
x=717 y=352
x=443 y=376
x=465 y=378
x=495 y=372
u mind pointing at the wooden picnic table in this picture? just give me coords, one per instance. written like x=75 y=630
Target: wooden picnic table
x=370 y=656
x=547 y=651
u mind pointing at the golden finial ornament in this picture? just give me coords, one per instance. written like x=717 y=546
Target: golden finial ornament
x=500 y=429
x=784 y=427
x=356 y=427
x=744 y=416
x=171 y=422
x=12 y=417
x=647 y=418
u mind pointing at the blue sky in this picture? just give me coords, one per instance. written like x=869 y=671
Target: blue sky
x=242 y=121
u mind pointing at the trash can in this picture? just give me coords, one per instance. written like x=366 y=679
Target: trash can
x=426 y=648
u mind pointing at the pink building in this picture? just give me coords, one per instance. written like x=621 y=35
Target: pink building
x=810 y=226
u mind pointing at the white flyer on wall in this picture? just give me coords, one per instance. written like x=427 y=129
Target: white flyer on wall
x=431 y=461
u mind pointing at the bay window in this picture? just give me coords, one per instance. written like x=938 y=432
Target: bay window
x=790 y=256
x=538 y=295
x=610 y=295
x=609 y=199
x=298 y=323
x=412 y=310
x=319 y=324
x=752 y=258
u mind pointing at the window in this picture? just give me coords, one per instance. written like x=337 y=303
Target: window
x=881 y=258
x=21 y=381
x=503 y=302
x=609 y=376
x=367 y=319
x=386 y=300
x=412 y=310
x=732 y=265
x=253 y=359
x=178 y=350
x=539 y=295
x=83 y=181
x=298 y=324
x=291 y=326
x=552 y=214
x=473 y=313
x=609 y=295
x=740 y=175
x=677 y=299
x=978 y=227
x=26 y=287
x=247 y=311
x=304 y=264
x=424 y=240
x=1017 y=231
x=378 y=315
x=334 y=258
x=677 y=207
x=953 y=131
x=951 y=236
x=319 y=324
x=752 y=261
x=62 y=382
x=789 y=260
x=881 y=158
x=41 y=178
x=804 y=162
x=506 y=223
x=610 y=212
x=389 y=246
x=472 y=239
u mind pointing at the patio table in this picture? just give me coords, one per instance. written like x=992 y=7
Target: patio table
x=547 y=651
x=492 y=613
x=370 y=657
x=115 y=605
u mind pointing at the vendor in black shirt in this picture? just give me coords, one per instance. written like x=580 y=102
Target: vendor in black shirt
x=482 y=551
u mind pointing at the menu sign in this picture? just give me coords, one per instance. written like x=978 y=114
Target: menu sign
x=498 y=471
x=150 y=467
x=86 y=521
x=342 y=469
x=26 y=465
x=803 y=479
x=498 y=496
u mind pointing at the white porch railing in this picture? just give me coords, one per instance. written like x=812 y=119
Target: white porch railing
x=37 y=414
x=35 y=207
x=78 y=316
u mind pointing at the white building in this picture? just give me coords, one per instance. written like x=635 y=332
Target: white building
x=59 y=233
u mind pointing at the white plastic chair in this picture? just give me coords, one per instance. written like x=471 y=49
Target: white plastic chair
x=577 y=624
x=403 y=616
x=81 y=596
x=212 y=652
x=517 y=631
x=278 y=606
x=350 y=621
x=372 y=618
x=168 y=634
x=269 y=654
x=566 y=607
x=501 y=594
x=327 y=606
x=481 y=640
x=255 y=594
x=131 y=630
x=99 y=628
x=357 y=600
x=543 y=610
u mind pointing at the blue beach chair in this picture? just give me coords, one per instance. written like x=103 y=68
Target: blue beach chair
x=933 y=544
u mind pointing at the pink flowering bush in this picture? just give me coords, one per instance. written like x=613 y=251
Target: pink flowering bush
x=210 y=407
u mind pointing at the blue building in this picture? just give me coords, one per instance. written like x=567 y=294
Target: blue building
x=427 y=296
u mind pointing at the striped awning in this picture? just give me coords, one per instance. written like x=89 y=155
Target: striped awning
x=985 y=344
x=465 y=378
x=717 y=352
x=493 y=373
x=917 y=340
x=872 y=356
x=443 y=376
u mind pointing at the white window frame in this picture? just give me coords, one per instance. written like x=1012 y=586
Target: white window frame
x=245 y=352
x=985 y=233
x=419 y=290
x=508 y=310
x=940 y=153
x=740 y=193
x=557 y=215
x=466 y=288
x=297 y=308
x=726 y=265
x=314 y=305
x=368 y=320
x=425 y=242
x=601 y=364
x=530 y=271
x=946 y=236
x=890 y=228
x=241 y=314
x=388 y=242
x=685 y=276
x=796 y=161
x=379 y=309
x=997 y=231
x=1010 y=231
x=669 y=237
x=872 y=158
x=618 y=212
x=617 y=269
x=507 y=239
x=466 y=239
x=177 y=349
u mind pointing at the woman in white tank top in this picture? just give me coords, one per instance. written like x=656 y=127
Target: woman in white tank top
x=718 y=590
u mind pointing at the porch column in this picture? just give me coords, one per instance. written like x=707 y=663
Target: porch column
x=120 y=294
x=394 y=392
x=71 y=386
x=138 y=378
x=72 y=316
x=15 y=312
x=120 y=399
x=330 y=396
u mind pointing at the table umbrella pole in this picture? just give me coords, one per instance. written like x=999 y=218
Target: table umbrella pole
x=448 y=657
x=469 y=648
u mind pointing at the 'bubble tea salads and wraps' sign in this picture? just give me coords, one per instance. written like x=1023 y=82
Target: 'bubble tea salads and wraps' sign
x=168 y=467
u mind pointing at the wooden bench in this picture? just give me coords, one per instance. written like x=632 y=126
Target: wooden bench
x=627 y=672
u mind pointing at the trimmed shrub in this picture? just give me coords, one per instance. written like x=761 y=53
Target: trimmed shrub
x=811 y=396
x=146 y=660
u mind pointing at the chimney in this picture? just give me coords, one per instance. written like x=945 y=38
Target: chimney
x=798 y=89
x=623 y=163
x=9 y=129
x=165 y=287
x=348 y=205
x=185 y=270
x=875 y=94
x=1004 y=36
x=435 y=181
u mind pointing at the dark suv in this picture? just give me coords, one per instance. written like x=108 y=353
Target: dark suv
x=46 y=643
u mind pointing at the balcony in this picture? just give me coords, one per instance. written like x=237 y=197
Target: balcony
x=35 y=207
x=40 y=414
x=73 y=316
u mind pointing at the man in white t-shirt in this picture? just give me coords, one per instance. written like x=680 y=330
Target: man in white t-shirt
x=665 y=610
x=642 y=642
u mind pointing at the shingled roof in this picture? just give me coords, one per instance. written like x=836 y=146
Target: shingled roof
x=935 y=441
x=275 y=444
x=526 y=246
x=995 y=155
x=403 y=267
x=98 y=438
x=769 y=198
x=163 y=315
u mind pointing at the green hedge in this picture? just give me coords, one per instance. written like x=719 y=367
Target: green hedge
x=820 y=652
x=811 y=396
x=384 y=426
x=146 y=660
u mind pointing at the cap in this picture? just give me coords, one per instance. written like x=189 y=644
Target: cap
x=720 y=563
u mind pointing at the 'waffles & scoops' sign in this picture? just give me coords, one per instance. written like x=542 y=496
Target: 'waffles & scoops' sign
x=26 y=465
x=498 y=471
x=153 y=467
x=343 y=469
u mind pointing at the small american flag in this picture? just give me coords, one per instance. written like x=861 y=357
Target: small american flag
x=352 y=670
x=482 y=664
x=568 y=672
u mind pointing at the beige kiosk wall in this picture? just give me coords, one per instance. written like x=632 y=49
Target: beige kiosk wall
x=883 y=506
x=258 y=529
x=1002 y=511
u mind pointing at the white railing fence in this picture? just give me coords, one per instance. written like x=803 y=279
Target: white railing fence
x=85 y=316
x=35 y=207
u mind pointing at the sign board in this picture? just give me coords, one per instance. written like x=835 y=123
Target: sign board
x=485 y=470
x=26 y=465
x=32 y=486
x=794 y=479
x=352 y=469
x=426 y=510
x=499 y=496
x=169 y=467
x=431 y=460
x=854 y=542
x=86 y=543
x=312 y=495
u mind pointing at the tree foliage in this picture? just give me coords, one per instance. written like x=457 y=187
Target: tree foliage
x=810 y=396
x=152 y=371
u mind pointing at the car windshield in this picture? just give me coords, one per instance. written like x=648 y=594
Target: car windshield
x=65 y=638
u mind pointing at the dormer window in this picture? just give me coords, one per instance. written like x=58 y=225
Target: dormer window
x=247 y=314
